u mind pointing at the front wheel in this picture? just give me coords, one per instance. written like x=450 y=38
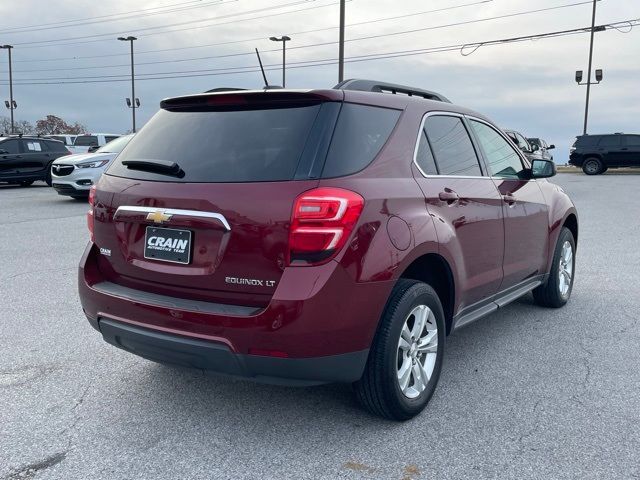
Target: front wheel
x=48 y=176
x=556 y=291
x=406 y=356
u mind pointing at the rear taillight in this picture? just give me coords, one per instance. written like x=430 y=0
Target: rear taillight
x=321 y=223
x=90 y=218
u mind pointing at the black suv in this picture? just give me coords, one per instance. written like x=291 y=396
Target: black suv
x=23 y=160
x=597 y=153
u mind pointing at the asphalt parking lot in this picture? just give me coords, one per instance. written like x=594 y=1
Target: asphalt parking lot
x=525 y=393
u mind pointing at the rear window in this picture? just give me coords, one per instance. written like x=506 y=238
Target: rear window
x=222 y=146
x=260 y=145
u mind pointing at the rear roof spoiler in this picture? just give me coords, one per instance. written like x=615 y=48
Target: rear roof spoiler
x=385 y=87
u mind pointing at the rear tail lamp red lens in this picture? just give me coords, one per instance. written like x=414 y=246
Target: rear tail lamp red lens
x=90 y=216
x=321 y=224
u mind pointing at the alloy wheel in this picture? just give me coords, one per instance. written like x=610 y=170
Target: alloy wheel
x=565 y=269
x=417 y=351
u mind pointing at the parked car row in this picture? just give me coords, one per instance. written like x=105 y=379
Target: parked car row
x=26 y=159
x=533 y=148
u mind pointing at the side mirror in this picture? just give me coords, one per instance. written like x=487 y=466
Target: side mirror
x=543 y=169
x=551 y=147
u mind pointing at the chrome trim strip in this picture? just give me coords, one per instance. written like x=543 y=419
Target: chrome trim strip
x=176 y=212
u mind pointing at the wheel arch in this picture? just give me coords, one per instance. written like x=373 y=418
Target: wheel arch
x=433 y=269
x=571 y=222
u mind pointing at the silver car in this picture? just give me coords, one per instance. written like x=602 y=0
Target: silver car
x=73 y=175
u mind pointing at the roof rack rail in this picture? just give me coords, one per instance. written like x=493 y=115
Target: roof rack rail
x=224 y=89
x=384 y=87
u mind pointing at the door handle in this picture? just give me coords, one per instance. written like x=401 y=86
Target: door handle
x=510 y=199
x=448 y=196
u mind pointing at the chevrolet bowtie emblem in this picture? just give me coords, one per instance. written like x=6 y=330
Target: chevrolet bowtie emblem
x=158 y=216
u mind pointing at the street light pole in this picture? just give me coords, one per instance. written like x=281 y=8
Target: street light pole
x=593 y=30
x=341 y=43
x=284 y=39
x=12 y=104
x=135 y=103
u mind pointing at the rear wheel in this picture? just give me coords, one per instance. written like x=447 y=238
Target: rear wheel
x=556 y=291
x=592 y=166
x=406 y=356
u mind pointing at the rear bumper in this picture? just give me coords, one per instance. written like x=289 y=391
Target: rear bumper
x=218 y=358
x=317 y=328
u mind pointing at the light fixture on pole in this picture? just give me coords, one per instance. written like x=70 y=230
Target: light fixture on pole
x=136 y=101
x=284 y=39
x=588 y=83
x=11 y=105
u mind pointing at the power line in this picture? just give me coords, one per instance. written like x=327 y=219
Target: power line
x=54 y=41
x=145 y=12
x=143 y=52
x=353 y=59
x=403 y=32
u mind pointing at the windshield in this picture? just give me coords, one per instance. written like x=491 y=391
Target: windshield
x=115 y=146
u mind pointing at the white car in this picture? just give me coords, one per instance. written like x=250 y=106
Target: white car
x=73 y=175
x=67 y=139
x=82 y=143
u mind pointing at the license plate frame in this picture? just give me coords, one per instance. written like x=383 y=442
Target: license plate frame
x=164 y=251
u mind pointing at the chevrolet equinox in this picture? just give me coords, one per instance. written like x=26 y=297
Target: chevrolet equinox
x=301 y=237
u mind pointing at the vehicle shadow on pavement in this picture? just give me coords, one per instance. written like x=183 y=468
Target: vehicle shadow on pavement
x=214 y=399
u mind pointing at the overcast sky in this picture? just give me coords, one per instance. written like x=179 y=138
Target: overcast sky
x=527 y=86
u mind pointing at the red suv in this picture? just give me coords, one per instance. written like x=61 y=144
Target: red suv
x=304 y=237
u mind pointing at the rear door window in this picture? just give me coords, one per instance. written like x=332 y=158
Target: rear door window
x=253 y=145
x=360 y=134
x=452 y=147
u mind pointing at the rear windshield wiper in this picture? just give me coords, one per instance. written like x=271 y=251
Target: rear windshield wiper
x=156 y=166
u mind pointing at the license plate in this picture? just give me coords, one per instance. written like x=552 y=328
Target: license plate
x=167 y=245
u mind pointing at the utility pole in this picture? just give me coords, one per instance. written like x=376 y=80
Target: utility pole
x=134 y=102
x=12 y=104
x=284 y=39
x=593 y=31
x=341 y=44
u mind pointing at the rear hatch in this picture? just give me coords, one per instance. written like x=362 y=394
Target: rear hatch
x=198 y=204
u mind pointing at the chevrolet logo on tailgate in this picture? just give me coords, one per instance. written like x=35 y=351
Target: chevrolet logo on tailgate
x=158 y=216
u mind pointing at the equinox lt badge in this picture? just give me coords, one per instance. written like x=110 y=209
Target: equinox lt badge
x=250 y=281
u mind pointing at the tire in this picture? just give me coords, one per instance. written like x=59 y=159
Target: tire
x=379 y=390
x=555 y=293
x=26 y=183
x=47 y=178
x=592 y=166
